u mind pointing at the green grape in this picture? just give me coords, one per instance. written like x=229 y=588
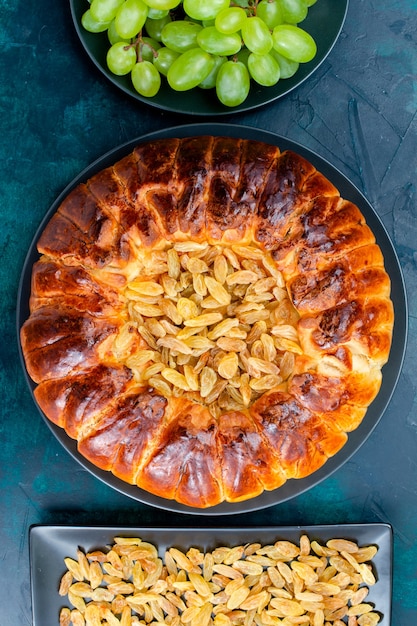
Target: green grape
x=162 y=5
x=210 y=81
x=264 y=69
x=121 y=58
x=287 y=67
x=113 y=36
x=90 y=24
x=165 y=57
x=130 y=18
x=256 y=35
x=154 y=26
x=210 y=40
x=243 y=55
x=148 y=48
x=233 y=83
x=180 y=35
x=204 y=9
x=105 y=10
x=157 y=14
x=190 y=69
x=311 y=2
x=270 y=11
x=146 y=79
x=294 y=43
x=294 y=11
x=230 y=20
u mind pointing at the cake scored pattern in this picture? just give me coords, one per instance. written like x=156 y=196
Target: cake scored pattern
x=202 y=198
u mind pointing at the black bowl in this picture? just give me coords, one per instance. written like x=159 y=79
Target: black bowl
x=324 y=22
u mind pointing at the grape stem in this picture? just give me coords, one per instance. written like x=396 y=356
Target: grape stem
x=138 y=44
x=248 y=5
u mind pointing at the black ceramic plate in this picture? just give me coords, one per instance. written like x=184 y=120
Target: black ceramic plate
x=324 y=23
x=49 y=545
x=391 y=370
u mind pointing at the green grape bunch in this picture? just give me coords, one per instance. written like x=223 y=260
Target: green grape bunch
x=218 y=45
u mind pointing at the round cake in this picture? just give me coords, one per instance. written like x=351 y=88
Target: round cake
x=208 y=319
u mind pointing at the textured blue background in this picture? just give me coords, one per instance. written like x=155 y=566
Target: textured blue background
x=57 y=115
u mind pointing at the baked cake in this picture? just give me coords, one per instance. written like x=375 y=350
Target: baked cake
x=208 y=319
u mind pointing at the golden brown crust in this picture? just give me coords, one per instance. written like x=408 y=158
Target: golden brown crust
x=76 y=401
x=55 y=284
x=110 y=444
x=59 y=342
x=364 y=325
x=301 y=441
x=223 y=191
x=248 y=462
x=184 y=463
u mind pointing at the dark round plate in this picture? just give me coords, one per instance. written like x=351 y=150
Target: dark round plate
x=391 y=370
x=324 y=23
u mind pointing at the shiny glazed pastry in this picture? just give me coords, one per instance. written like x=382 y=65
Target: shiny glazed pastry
x=209 y=318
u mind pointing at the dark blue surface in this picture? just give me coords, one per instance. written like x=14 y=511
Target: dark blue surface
x=57 y=116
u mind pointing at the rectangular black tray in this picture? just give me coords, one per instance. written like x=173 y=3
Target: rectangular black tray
x=49 y=545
